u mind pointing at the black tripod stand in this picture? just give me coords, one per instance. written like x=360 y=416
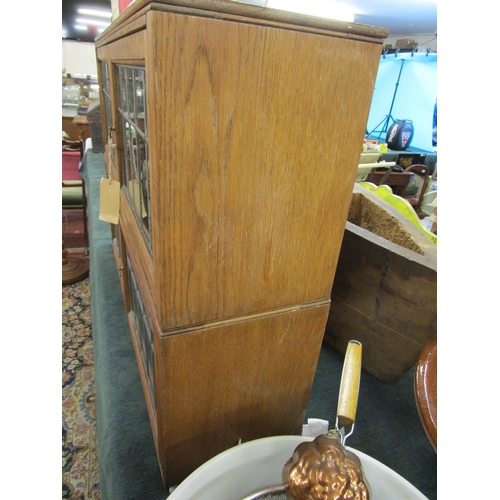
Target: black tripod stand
x=387 y=120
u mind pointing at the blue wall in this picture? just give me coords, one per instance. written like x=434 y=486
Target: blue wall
x=415 y=97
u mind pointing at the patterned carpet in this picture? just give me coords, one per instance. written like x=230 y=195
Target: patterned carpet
x=80 y=473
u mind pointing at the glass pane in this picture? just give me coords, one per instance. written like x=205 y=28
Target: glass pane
x=107 y=106
x=123 y=89
x=105 y=76
x=135 y=144
x=115 y=237
x=142 y=330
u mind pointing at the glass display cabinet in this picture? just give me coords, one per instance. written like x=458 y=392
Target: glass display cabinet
x=78 y=91
x=235 y=132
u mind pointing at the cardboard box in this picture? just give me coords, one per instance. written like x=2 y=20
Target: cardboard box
x=405 y=43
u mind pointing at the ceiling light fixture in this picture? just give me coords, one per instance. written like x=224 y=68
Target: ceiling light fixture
x=319 y=8
x=97 y=13
x=93 y=22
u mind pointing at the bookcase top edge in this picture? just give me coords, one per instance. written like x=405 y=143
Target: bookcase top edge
x=229 y=9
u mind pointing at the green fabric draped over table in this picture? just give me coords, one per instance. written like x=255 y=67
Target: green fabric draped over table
x=128 y=466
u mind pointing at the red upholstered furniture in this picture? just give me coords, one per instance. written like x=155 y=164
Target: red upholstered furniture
x=72 y=154
x=70 y=165
x=74 y=267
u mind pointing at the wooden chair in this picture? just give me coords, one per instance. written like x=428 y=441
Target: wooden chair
x=72 y=155
x=74 y=267
x=74 y=146
x=397 y=181
x=416 y=200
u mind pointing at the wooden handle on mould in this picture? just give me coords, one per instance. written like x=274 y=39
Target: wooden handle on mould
x=349 y=385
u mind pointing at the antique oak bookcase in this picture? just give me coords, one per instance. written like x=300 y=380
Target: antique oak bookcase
x=235 y=133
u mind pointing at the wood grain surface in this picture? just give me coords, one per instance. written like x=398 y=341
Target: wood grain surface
x=240 y=381
x=254 y=141
x=255 y=121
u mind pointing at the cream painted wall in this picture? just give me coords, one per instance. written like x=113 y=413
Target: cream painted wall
x=79 y=57
x=115 y=9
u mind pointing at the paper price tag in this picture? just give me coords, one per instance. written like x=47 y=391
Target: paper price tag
x=109 y=207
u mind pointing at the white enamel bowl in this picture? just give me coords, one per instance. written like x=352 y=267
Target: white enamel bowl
x=254 y=465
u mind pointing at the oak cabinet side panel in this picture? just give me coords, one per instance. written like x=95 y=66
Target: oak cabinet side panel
x=240 y=381
x=131 y=47
x=255 y=135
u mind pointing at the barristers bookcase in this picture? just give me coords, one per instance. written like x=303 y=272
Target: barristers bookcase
x=234 y=132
